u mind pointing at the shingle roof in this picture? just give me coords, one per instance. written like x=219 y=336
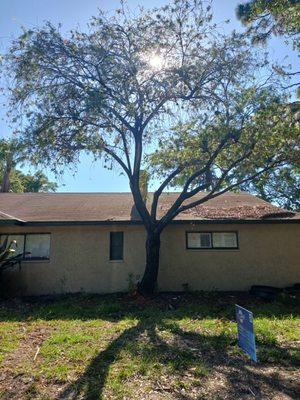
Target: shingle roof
x=230 y=206
x=97 y=207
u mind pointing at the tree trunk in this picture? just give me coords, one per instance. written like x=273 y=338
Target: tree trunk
x=5 y=185
x=149 y=280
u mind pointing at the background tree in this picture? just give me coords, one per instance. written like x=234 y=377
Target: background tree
x=12 y=153
x=128 y=82
x=265 y=18
x=281 y=185
x=30 y=183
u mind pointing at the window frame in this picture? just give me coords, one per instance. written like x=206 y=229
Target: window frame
x=33 y=259
x=198 y=248
x=211 y=240
x=110 y=247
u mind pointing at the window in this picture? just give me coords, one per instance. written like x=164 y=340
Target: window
x=225 y=240
x=33 y=246
x=37 y=247
x=211 y=240
x=198 y=240
x=116 y=246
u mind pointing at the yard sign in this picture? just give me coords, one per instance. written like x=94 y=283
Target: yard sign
x=245 y=331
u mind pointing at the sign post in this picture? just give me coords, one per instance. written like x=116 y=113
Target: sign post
x=246 y=335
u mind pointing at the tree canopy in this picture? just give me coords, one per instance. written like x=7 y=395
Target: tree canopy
x=12 y=154
x=265 y=18
x=279 y=184
x=29 y=183
x=133 y=85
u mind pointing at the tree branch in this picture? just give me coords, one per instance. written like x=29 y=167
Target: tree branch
x=159 y=191
x=212 y=194
x=118 y=159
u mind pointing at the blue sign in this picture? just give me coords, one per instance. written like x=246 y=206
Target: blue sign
x=245 y=331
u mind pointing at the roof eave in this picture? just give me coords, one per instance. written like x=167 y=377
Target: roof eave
x=11 y=222
x=174 y=222
x=237 y=221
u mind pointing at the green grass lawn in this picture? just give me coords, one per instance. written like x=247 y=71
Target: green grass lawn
x=173 y=347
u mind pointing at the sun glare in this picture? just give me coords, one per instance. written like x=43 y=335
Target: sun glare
x=156 y=62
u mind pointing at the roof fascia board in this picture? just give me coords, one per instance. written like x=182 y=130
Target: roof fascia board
x=11 y=222
x=176 y=222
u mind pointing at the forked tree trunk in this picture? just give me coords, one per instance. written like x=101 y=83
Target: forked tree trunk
x=149 y=280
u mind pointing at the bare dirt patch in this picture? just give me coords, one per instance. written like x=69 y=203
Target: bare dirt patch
x=14 y=379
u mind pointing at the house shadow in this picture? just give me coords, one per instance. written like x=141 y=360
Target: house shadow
x=114 y=307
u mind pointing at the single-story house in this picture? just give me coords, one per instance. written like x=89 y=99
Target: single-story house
x=95 y=242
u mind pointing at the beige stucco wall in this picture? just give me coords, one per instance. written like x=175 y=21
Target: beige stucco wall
x=268 y=254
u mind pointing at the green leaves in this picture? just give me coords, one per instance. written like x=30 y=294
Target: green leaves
x=237 y=146
x=164 y=80
x=277 y=17
x=13 y=152
x=280 y=186
x=7 y=257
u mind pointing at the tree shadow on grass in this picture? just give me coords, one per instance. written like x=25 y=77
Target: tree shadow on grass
x=184 y=351
x=168 y=346
x=91 y=383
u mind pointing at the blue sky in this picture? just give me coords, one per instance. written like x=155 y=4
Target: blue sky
x=90 y=176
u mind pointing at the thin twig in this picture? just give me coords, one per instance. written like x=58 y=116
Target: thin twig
x=36 y=353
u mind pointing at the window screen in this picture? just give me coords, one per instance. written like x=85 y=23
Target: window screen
x=211 y=240
x=37 y=246
x=198 y=240
x=116 y=245
x=225 y=240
